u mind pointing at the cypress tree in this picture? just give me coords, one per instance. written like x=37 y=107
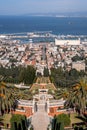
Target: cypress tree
x=61 y=126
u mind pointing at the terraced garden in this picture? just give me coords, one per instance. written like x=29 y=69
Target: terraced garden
x=43 y=83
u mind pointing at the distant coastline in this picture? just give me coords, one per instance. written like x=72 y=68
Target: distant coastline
x=52 y=14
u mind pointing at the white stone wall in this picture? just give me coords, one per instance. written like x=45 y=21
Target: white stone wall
x=67 y=42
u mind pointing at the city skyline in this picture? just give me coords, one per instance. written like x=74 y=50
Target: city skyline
x=14 y=7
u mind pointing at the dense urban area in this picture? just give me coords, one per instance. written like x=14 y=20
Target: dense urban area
x=43 y=85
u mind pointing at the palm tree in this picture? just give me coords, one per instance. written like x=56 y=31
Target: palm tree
x=78 y=96
x=61 y=93
x=6 y=99
x=82 y=93
x=2 y=98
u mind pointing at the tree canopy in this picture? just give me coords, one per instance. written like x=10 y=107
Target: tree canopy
x=64 y=78
x=18 y=74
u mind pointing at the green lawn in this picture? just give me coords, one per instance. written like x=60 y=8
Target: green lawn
x=5 y=119
x=74 y=119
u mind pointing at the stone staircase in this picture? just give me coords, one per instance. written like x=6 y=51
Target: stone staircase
x=43 y=83
x=40 y=119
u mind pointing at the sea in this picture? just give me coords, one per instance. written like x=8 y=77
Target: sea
x=57 y=25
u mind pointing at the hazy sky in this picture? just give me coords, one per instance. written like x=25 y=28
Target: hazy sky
x=41 y=6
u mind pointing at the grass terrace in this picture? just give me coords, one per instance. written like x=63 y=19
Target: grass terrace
x=5 y=120
x=74 y=118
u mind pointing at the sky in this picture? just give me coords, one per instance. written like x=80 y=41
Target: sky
x=17 y=7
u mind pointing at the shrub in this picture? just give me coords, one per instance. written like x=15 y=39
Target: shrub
x=63 y=118
x=60 y=121
x=18 y=122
